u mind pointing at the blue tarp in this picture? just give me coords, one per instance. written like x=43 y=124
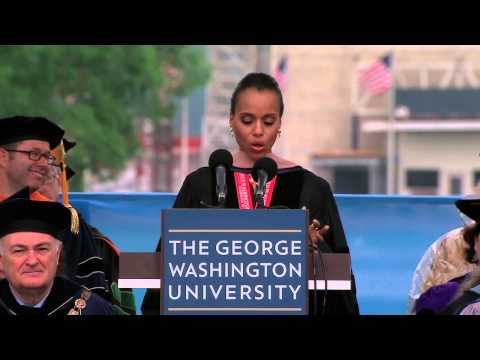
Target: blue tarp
x=387 y=235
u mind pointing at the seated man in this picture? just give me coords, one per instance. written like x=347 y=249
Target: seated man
x=30 y=243
x=91 y=259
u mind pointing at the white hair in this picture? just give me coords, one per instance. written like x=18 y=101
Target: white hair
x=57 y=243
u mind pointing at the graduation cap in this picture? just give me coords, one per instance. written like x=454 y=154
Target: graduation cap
x=19 y=128
x=69 y=172
x=20 y=214
x=470 y=206
x=66 y=173
x=68 y=144
x=59 y=152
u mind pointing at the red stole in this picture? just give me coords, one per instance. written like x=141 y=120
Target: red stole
x=244 y=192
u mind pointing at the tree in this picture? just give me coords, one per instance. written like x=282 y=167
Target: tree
x=97 y=93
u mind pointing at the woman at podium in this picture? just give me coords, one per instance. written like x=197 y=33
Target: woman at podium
x=255 y=122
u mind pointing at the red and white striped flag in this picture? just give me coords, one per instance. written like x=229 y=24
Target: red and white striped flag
x=377 y=77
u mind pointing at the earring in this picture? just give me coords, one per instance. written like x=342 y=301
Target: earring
x=230 y=130
x=279 y=133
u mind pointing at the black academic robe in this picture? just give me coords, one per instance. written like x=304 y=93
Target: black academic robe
x=83 y=260
x=59 y=302
x=92 y=261
x=111 y=257
x=295 y=187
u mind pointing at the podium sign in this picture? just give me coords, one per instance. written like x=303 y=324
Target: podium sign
x=234 y=262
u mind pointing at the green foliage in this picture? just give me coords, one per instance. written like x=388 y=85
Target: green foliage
x=98 y=92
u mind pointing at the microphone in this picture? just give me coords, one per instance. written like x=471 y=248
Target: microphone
x=263 y=171
x=220 y=161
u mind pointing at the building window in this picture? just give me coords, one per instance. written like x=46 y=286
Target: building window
x=476 y=178
x=350 y=179
x=456 y=185
x=422 y=182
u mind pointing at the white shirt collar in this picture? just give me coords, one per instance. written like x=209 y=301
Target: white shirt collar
x=19 y=301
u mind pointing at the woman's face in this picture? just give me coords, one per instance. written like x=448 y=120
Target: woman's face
x=256 y=121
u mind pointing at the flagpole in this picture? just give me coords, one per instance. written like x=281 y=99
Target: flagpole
x=391 y=161
x=184 y=139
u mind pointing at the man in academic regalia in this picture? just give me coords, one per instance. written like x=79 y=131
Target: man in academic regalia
x=32 y=152
x=91 y=259
x=25 y=144
x=31 y=236
x=26 y=160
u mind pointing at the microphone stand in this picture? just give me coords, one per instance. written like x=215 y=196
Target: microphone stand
x=259 y=200
x=324 y=272
x=315 y=290
x=221 y=199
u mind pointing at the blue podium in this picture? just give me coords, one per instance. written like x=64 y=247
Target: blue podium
x=230 y=261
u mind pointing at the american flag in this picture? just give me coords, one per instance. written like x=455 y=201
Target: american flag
x=377 y=77
x=281 y=73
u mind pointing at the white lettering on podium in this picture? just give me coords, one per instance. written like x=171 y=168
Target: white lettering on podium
x=231 y=270
x=252 y=270
x=232 y=292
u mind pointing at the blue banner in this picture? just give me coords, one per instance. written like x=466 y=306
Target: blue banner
x=387 y=235
x=235 y=262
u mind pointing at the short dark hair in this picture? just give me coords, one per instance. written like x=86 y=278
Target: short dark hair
x=259 y=81
x=10 y=146
x=470 y=234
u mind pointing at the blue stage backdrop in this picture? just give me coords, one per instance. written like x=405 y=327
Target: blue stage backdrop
x=387 y=235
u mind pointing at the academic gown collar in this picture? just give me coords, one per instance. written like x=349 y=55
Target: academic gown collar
x=287 y=190
x=59 y=300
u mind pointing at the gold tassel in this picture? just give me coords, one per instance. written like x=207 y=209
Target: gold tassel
x=75 y=225
x=75 y=221
x=63 y=174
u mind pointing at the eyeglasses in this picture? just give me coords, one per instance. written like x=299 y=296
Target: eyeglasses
x=36 y=155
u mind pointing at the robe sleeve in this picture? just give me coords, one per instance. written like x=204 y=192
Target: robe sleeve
x=318 y=197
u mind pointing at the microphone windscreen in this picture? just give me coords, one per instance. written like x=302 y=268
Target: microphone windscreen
x=266 y=164
x=220 y=157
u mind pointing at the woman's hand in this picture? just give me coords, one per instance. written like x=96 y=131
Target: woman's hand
x=317 y=232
